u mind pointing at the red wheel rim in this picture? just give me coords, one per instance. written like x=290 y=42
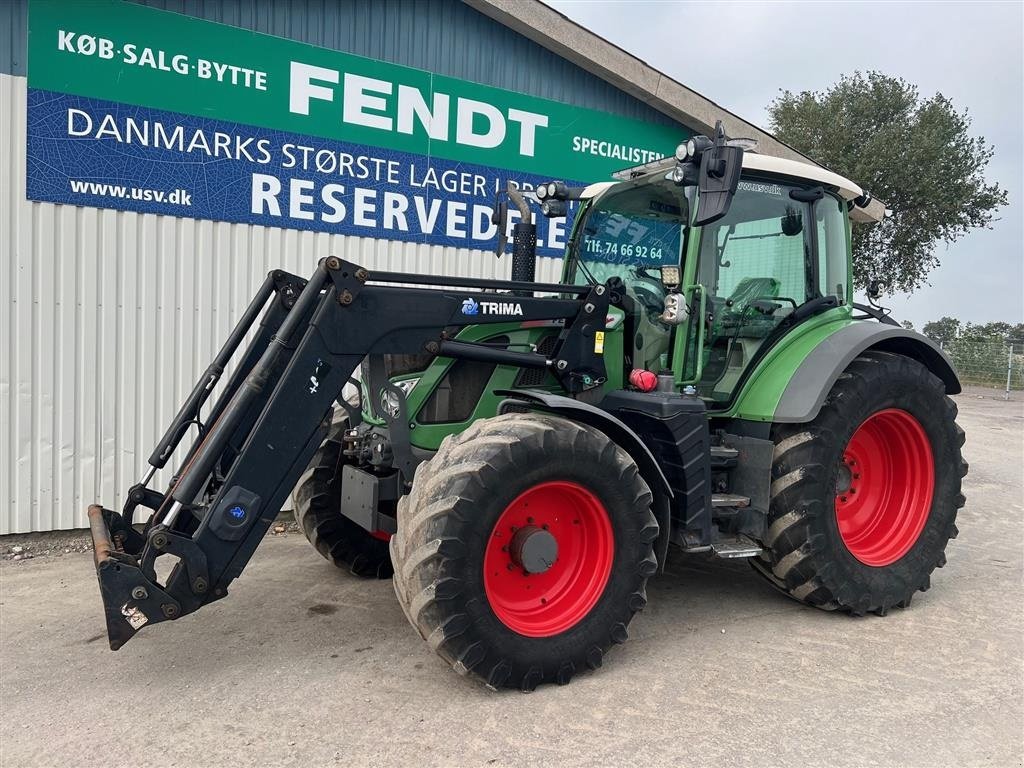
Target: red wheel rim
x=548 y=603
x=885 y=485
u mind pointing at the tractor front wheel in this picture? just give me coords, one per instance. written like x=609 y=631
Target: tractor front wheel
x=864 y=498
x=318 y=513
x=524 y=548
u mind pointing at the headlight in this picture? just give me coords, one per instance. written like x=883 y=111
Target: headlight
x=389 y=404
x=389 y=401
x=541 y=192
x=407 y=385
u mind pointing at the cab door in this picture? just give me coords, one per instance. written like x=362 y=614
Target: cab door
x=755 y=267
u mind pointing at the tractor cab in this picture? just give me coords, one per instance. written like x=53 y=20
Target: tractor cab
x=774 y=253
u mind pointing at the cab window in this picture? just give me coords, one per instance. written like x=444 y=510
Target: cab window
x=831 y=224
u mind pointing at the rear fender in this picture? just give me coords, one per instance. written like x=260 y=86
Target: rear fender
x=814 y=378
x=623 y=436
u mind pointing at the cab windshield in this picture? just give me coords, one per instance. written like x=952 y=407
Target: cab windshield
x=632 y=228
x=630 y=233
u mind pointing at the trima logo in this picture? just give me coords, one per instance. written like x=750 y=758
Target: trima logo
x=474 y=307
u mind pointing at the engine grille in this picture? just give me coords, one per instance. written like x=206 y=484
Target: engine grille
x=534 y=377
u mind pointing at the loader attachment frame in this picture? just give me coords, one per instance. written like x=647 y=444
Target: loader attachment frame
x=274 y=410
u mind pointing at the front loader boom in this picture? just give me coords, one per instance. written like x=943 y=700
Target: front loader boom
x=273 y=412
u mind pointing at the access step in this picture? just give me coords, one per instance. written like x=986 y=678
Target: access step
x=739 y=546
x=724 y=458
x=729 y=500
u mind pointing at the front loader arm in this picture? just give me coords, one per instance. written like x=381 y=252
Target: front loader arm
x=273 y=414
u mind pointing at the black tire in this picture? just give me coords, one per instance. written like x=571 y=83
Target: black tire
x=805 y=555
x=317 y=512
x=446 y=524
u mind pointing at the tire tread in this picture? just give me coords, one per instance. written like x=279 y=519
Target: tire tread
x=423 y=550
x=795 y=561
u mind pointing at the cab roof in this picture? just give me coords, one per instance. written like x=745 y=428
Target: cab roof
x=776 y=166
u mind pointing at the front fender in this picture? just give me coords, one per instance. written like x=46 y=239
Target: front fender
x=801 y=395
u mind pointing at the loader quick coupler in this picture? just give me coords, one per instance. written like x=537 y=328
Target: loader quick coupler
x=130 y=600
x=305 y=341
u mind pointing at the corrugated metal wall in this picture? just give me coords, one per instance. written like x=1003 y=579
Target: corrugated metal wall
x=109 y=317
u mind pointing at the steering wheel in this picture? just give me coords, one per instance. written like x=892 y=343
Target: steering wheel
x=649 y=293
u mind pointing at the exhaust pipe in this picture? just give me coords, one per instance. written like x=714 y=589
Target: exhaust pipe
x=524 y=242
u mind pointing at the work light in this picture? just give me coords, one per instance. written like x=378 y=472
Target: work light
x=554 y=208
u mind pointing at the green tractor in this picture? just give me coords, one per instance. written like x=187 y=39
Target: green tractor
x=519 y=455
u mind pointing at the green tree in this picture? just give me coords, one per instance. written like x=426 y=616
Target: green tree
x=908 y=325
x=1017 y=338
x=915 y=154
x=944 y=330
x=997 y=331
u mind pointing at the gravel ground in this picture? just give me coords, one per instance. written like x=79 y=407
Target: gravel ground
x=303 y=665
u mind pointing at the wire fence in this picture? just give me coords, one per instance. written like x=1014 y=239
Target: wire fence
x=988 y=363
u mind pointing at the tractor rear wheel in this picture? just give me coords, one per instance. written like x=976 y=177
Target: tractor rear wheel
x=524 y=548
x=318 y=513
x=864 y=498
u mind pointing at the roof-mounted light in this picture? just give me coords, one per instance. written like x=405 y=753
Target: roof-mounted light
x=553 y=208
x=697 y=144
x=552 y=190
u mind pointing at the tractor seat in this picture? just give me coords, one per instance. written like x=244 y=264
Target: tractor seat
x=752 y=288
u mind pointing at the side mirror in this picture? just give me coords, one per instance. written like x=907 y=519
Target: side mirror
x=720 y=169
x=500 y=219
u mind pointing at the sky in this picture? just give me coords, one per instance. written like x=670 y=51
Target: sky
x=741 y=54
